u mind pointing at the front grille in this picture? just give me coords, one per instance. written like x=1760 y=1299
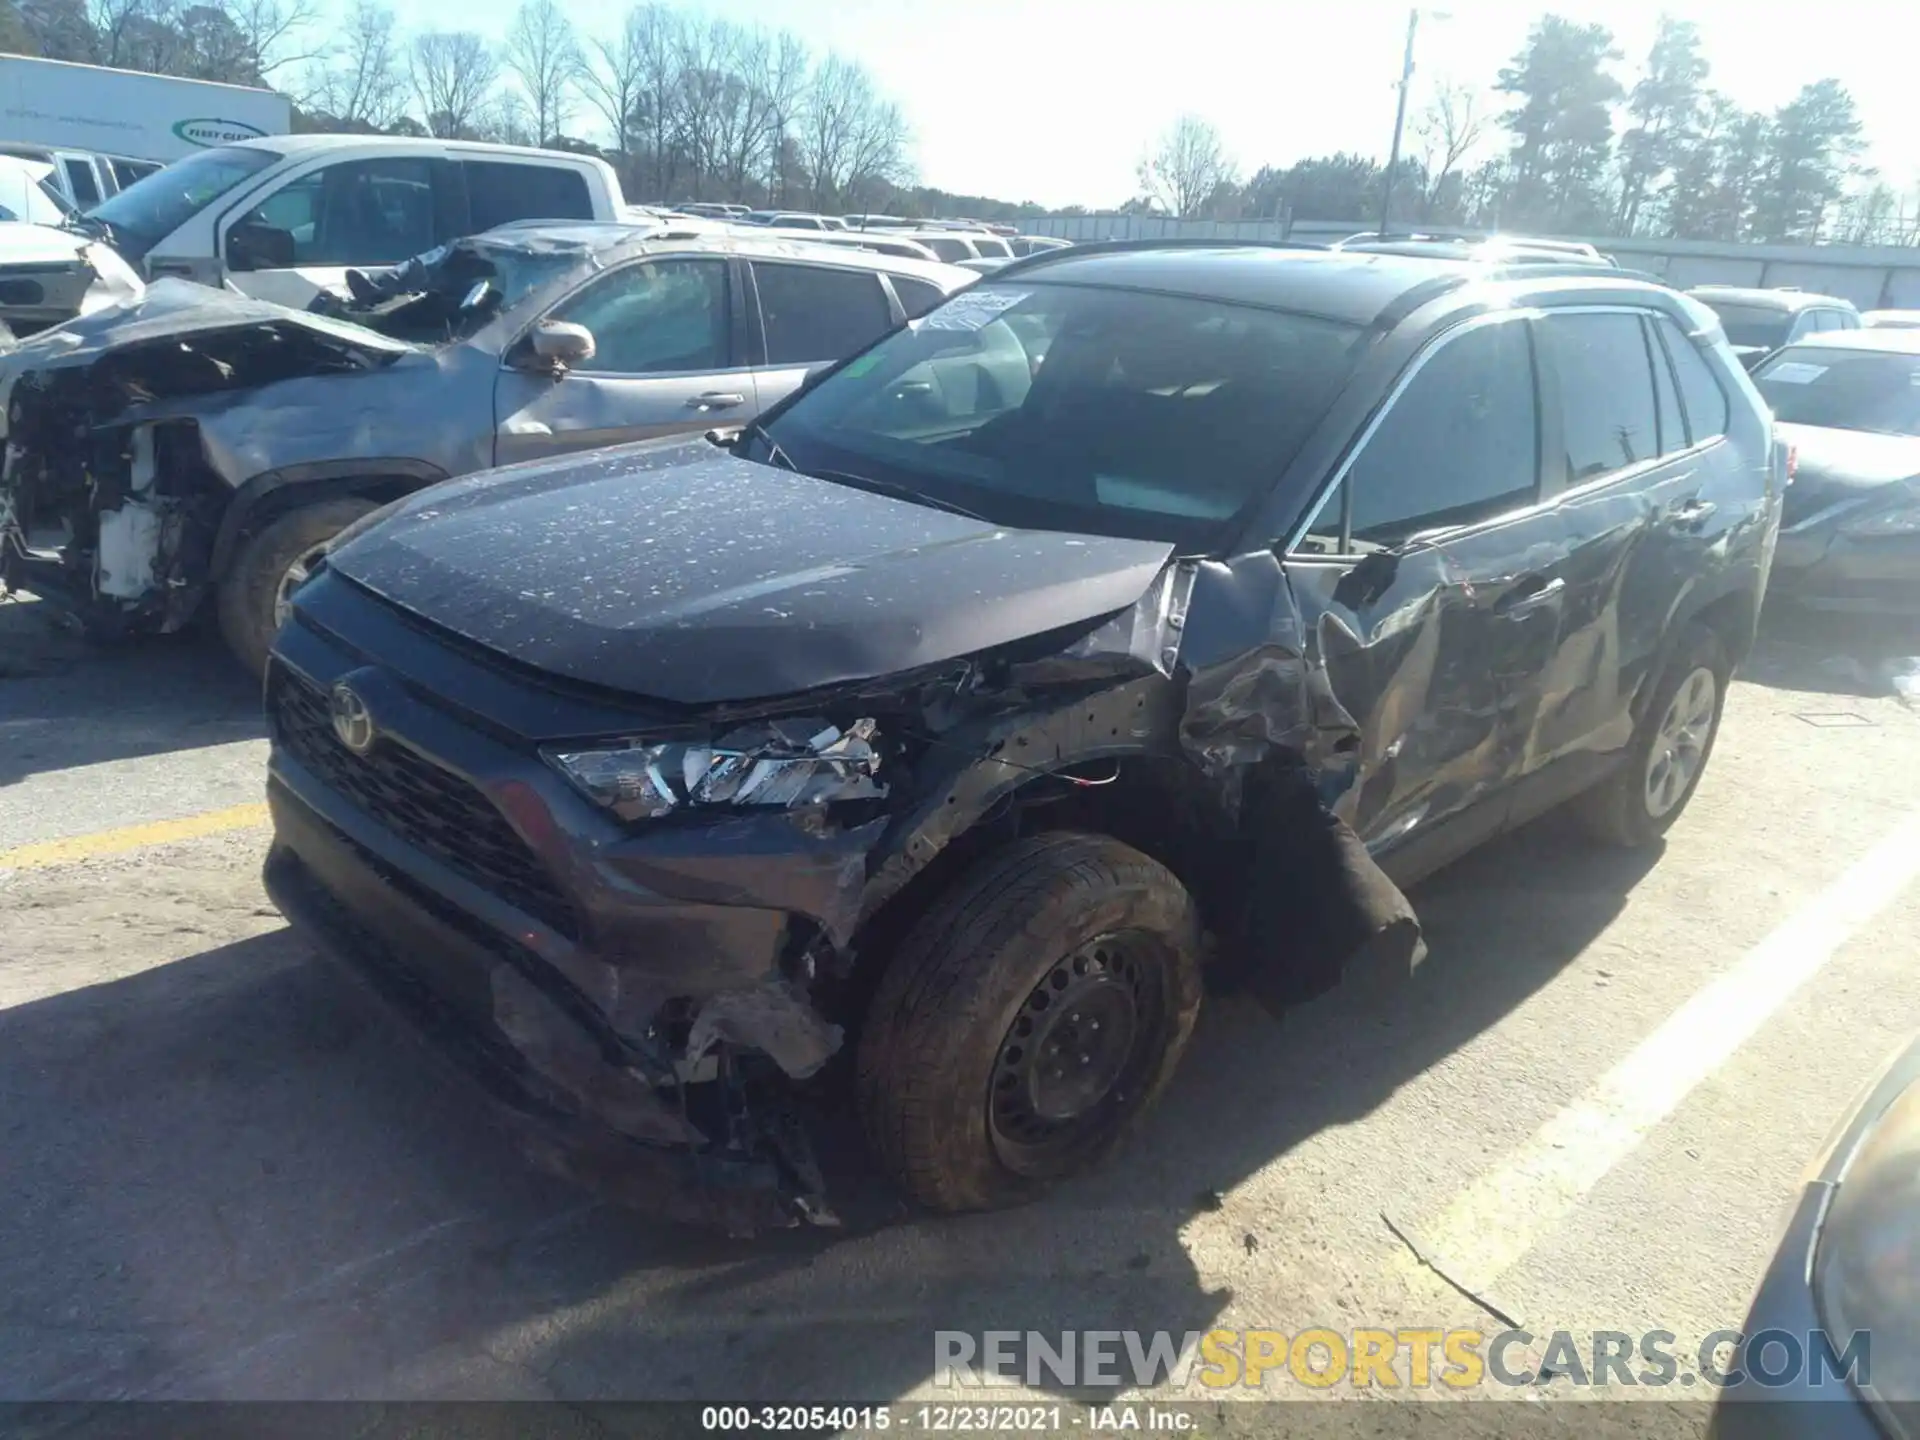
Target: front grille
x=430 y=808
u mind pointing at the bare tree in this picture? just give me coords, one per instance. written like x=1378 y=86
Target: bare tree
x=850 y=140
x=360 y=84
x=612 y=77
x=1453 y=123
x=275 y=33
x=453 y=73
x=544 y=53
x=1187 y=166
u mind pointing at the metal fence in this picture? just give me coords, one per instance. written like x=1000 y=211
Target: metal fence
x=1874 y=277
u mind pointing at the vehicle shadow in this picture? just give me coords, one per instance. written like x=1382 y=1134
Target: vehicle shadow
x=1827 y=653
x=65 y=702
x=234 y=1178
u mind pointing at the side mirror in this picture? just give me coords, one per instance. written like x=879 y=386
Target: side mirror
x=252 y=245
x=559 y=345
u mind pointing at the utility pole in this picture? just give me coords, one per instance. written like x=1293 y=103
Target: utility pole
x=1399 y=123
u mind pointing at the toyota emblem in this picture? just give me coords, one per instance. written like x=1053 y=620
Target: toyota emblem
x=352 y=721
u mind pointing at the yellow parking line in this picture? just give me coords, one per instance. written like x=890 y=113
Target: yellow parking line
x=132 y=837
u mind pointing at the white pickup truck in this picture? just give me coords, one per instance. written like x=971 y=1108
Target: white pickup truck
x=286 y=217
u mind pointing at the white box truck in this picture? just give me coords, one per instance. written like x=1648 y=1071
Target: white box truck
x=127 y=113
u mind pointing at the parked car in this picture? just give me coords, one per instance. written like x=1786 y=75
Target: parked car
x=1135 y=593
x=81 y=178
x=1034 y=244
x=285 y=218
x=954 y=246
x=1849 y=403
x=877 y=241
x=228 y=439
x=1891 y=320
x=1848 y=1264
x=1758 y=322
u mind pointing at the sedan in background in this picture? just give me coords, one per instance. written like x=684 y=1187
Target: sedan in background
x=1759 y=322
x=1847 y=1272
x=1849 y=404
x=1891 y=319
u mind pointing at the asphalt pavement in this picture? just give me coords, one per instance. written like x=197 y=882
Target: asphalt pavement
x=229 y=1176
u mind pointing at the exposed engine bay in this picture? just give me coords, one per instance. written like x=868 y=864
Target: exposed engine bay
x=107 y=500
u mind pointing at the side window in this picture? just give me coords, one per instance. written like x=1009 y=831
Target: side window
x=1700 y=392
x=917 y=297
x=359 y=212
x=1607 y=412
x=499 y=192
x=812 y=313
x=1673 y=432
x=1459 y=445
x=947 y=248
x=1846 y=320
x=86 y=187
x=994 y=249
x=658 y=317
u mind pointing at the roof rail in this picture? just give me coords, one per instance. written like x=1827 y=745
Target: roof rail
x=1411 y=300
x=1110 y=247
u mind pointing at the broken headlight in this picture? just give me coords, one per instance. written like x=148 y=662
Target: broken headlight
x=769 y=762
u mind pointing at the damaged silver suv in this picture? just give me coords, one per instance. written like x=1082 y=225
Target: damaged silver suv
x=194 y=444
x=905 y=750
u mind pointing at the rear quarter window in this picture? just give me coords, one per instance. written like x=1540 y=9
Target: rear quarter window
x=499 y=192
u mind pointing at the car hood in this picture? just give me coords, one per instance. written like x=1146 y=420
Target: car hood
x=173 y=309
x=681 y=572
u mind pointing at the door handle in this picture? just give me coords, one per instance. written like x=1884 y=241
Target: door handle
x=1691 y=514
x=716 y=400
x=1528 y=595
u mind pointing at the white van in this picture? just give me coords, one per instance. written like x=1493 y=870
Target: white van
x=285 y=217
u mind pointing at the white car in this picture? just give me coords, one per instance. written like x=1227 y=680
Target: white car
x=58 y=273
x=1891 y=319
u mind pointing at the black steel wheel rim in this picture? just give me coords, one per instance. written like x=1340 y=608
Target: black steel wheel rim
x=1079 y=1053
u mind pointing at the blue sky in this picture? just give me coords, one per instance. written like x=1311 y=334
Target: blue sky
x=1056 y=100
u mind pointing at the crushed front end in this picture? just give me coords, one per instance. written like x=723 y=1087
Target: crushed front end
x=110 y=503
x=646 y=999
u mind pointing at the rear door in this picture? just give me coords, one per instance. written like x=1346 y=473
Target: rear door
x=1627 y=490
x=669 y=357
x=1421 y=580
x=807 y=316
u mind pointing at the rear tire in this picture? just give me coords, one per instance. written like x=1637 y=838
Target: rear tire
x=1640 y=801
x=253 y=597
x=1028 y=1019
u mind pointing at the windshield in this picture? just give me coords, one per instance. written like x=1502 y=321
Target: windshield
x=1107 y=412
x=1751 y=326
x=149 y=210
x=1843 y=389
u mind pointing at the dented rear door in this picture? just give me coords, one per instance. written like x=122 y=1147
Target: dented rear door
x=1423 y=581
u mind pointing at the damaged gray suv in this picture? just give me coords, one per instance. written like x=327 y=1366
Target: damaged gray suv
x=194 y=446
x=909 y=750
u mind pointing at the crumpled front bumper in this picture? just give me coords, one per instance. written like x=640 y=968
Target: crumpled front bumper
x=442 y=976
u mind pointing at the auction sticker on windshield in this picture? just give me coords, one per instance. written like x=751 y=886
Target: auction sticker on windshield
x=973 y=309
x=1795 y=372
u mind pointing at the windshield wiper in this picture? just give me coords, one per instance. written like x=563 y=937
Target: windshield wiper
x=897 y=491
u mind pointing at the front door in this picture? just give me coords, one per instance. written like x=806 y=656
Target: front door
x=666 y=361
x=1423 y=589
x=350 y=215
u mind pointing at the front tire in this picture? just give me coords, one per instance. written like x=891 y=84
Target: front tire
x=1642 y=799
x=1028 y=1019
x=270 y=566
